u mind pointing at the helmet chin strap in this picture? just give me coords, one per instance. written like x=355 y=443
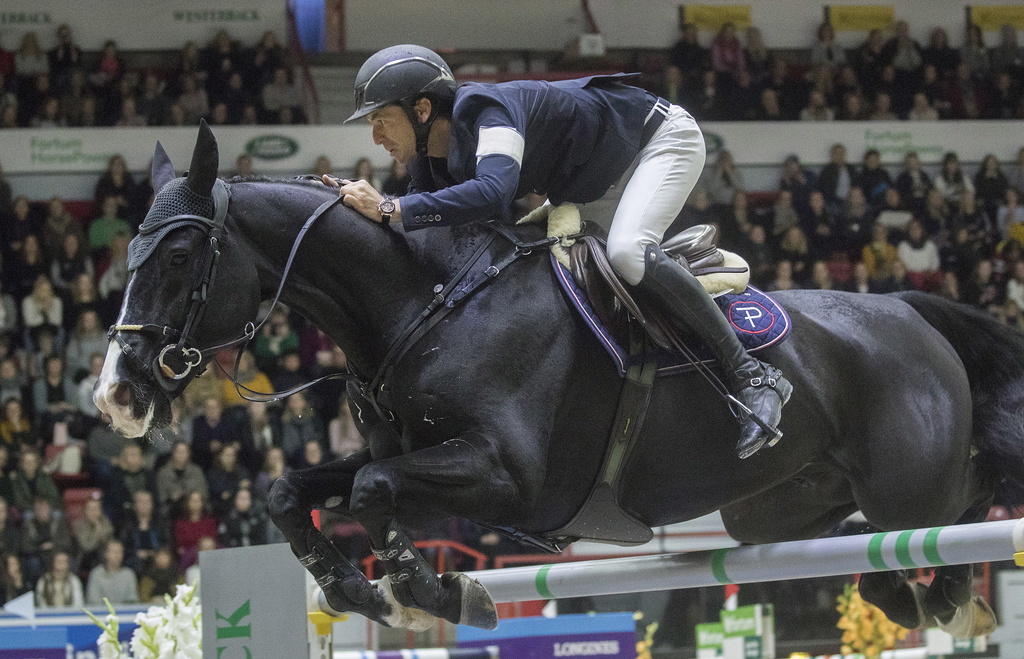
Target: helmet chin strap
x=420 y=129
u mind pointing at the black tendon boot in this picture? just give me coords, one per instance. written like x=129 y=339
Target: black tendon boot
x=760 y=387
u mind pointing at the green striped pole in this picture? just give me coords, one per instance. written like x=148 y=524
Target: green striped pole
x=878 y=552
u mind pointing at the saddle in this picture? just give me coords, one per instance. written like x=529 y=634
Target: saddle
x=695 y=249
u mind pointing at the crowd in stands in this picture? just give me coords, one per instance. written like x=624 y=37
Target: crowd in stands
x=886 y=77
x=861 y=227
x=223 y=82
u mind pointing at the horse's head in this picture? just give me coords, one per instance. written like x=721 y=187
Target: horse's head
x=189 y=291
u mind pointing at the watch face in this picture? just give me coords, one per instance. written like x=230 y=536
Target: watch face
x=386 y=206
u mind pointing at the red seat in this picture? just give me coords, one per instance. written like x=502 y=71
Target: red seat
x=74 y=501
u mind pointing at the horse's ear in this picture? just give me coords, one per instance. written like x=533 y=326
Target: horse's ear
x=163 y=170
x=205 y=160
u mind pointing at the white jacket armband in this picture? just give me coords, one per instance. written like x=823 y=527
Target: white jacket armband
x=500 y=140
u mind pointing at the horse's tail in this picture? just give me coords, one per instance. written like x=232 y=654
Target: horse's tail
x=993 y=356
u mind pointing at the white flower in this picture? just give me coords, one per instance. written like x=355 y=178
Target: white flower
x=164 y=632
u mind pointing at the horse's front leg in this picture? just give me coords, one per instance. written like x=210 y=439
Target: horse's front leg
x=292 y=498
x=465 y=477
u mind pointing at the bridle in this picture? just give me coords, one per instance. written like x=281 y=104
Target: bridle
x=178 y=358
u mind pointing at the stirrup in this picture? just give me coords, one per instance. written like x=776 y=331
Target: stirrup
x=741 y=412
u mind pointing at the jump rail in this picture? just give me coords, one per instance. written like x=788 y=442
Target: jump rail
x=804 y=559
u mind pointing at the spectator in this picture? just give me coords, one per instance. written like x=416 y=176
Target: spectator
x=115 y=277
x=1017 y=174
x=30 y=484
x=312 y=454
x=817 y=108
x=963 y=95
x=1007 y=56
x=343 y=437
x=299 y=425
x=872 y=179
x=922 y=109
x=278 y=93
x=770 y=109
x=160 y=578
x=29 y=60
x=951 y=182
x=42 y=306
x=921 y=258
x=706 y=103
x=821 y=227
x=105 y=228
x=43 y=532
x=130 y=475
x=245 y=524
x=790 y=92
x=323 y=166
x=54 y=396
x=1010 y=217
x=825 y=50
x=116 y=182
x=15 y=429
x=883 y=108
x=783 y=277
x=903 y=52
x=979 y=224
x=990 y=184
x=49 y=115
x=363 y=170
x=64 y=58
x=274 y=467
x=206 y=386
x=13 y=383
x=92 y=530
x=960 y=256
x=724 y=180
x=86 y=404
x=836 y=177
x=855 y=221
x=755 y=54
x=6 y=200
x=982 y=290
x=727 y=52
x=263 y=428
x=193 y=101
x=179 y=477
x=225 y=479
x=10 y=536
x=913 y=183
x=59 y=587
x=936 y=215
x=24 y=272
x=265 y=58
x=893 y=213
x=397 y=182
x=211 y=431
x=87 y=339
x=686 y=60
x=973 y=53
x=193 y=522
x=143 y=533
x=234 y=97
x=6 y=488
x=290 y=373
x=940 y=55
x=869 y=60
x=192 y=571
x=219 y=60
x=57 y=226
x=821 y=78
x=153 y=103
x=275 y=339
x=1002 y=97
x=129 y=116
x=248 y=376
x=111 y=580
x=83 y=297
x=742 y=98
x=13 y=581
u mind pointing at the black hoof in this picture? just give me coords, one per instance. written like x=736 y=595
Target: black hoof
x=475 y=606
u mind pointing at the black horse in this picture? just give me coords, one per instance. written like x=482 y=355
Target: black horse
x=907 y=408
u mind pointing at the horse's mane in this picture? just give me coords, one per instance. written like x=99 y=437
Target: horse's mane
x=297 y=180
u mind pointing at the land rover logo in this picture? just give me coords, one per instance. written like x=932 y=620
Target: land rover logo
x=271 y=147
x=713 y=143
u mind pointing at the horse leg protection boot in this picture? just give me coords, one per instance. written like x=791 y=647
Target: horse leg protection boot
x=760 y=387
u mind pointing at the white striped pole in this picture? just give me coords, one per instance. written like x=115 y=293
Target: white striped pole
x=804 y=559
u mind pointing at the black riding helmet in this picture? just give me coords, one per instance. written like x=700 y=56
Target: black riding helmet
x=400 y=75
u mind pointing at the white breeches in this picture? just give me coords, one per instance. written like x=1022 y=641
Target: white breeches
x=665 y=173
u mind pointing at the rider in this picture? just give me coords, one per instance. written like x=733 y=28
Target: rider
x=472 y=149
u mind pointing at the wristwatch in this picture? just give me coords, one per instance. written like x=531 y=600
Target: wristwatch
x=386 y=207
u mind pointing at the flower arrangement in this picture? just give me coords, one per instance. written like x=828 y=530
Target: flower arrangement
x=643 y=648
x=173 y=631
x=865 y=628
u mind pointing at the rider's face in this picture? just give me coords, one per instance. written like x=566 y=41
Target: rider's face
x=393 y=130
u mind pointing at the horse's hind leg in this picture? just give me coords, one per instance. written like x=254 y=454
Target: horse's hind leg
x=951 y=599
x=292 y=498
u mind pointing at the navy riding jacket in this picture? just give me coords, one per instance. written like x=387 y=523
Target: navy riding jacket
x=570 y=140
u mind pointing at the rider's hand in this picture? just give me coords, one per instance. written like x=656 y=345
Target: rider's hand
x=358 y=195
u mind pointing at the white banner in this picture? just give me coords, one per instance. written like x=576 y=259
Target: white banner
x=293 y=149
x=141 y=24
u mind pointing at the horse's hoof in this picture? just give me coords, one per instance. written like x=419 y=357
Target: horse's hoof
x=976 y=618
x=476 y=606
x=403 y=616
x=903 y=604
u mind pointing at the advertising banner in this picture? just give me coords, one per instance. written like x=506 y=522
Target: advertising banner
x=712 y=17
x=861 y=18
x=598 y=636
x=995 y=17
x=155 y=24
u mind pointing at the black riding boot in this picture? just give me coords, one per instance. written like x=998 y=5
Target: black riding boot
x=760 y=387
